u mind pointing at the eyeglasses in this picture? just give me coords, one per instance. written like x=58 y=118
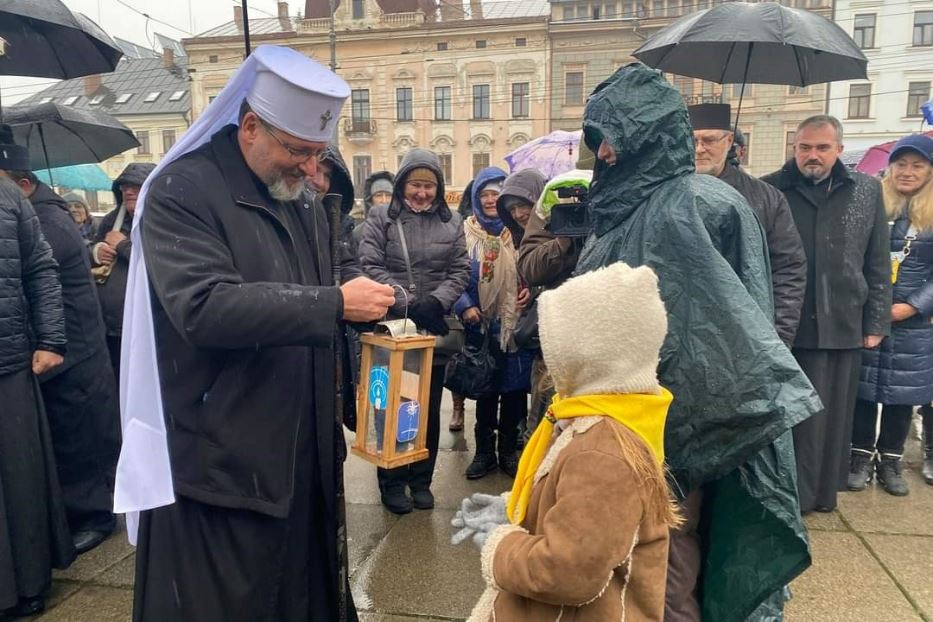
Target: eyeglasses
x=298 y=156
x=708 y=141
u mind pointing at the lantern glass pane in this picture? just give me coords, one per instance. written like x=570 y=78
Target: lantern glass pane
x=378 y=399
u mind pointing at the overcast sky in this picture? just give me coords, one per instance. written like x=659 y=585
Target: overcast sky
x=185 y=16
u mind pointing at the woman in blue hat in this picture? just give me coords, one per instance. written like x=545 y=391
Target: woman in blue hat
x=899 y=373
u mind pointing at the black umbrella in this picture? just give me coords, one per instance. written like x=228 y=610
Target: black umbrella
x=755 y=43
x=44 y=39
x=61 y=136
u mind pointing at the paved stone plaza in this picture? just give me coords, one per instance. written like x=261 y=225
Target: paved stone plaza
x=873 y=558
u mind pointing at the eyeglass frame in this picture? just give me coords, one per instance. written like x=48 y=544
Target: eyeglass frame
x=707 y=143
x=295 y=155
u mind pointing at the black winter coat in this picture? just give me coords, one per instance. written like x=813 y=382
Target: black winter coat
x=84 y=326
x=900 y=371
x=435 y=241
x=788 y=259
x=31 y=313
x=245 y=320
x=844 y=230
x=113 y=293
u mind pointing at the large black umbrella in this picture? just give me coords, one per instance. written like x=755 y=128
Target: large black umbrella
x=61 y=136
x=44 y=39
x=755 y=43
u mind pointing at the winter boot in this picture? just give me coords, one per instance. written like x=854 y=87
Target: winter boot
x=456 y=419
x=927 y=413
x=484 y=461
x=508 y=451
x=860 y=469
x=891 y=475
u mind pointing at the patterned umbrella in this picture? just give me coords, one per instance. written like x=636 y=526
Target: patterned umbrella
x=552 y=154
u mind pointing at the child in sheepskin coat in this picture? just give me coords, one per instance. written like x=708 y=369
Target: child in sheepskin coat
x=583 y=535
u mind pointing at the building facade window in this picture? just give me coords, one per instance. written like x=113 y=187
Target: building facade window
x=480 y=101
x=798 y=91
x=737 y=91
x=521 y=42
x=143 y=138
x=918 y=93
x=442 y=103
x=521 y=100
x=480 y=161
x=358 y=9
x=168 y=140
x=362 y=168
x=573 y=88
x=923 y=28
x=481 y=44
x=859 y=101
x=403 y=104
x=447 y=168
x=789 y=139
x=744 y=160
x=610 y=11
x=359 y=109
x=864 y=31
x=442 y=46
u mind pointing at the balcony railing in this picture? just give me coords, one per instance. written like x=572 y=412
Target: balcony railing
x=359 y=127
x=401 y=20
x=321 y=24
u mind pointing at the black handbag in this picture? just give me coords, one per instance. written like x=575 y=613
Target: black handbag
x=526 y=330
x=471 y=372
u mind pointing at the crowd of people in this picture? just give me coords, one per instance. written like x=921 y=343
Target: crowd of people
x=702 y=368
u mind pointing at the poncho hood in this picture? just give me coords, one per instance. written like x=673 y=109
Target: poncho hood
x=645 y=120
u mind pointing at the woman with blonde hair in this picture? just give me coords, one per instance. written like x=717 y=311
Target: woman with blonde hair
x=899 y=373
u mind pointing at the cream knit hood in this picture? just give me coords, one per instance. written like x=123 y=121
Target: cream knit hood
x=602 y=332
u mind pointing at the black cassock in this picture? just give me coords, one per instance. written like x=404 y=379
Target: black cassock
x=244 y=322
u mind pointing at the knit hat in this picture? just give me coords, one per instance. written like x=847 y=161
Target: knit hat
x=421 y=174
x=602 y=332
x=494 y=185
x=12 y=156
x=74 y=197
x=382 y=185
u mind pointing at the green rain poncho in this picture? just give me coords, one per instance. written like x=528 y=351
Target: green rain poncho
x=737 y=389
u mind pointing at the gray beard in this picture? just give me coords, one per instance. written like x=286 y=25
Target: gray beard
x=281 y=191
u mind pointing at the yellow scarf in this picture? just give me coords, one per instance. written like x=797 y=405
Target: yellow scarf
x=644 y=414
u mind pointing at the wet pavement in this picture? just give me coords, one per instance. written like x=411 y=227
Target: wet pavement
x=873 y=557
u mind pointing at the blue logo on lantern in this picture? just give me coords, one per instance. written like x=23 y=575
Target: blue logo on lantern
x=379 y=387
x=408 y=414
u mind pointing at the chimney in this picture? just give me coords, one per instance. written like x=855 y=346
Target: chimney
x=476 y=9
x=238 y=16
x=168 y=57
x=451 y=10
x=91 y=84
x=283 y=10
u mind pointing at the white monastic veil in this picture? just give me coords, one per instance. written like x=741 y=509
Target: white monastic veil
x=144 y=475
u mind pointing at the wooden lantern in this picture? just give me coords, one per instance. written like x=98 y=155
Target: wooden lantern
x=393 y=396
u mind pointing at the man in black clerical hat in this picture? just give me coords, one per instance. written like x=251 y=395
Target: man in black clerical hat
x=713 y=137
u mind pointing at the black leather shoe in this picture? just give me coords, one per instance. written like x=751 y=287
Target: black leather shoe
x=397 y=502
x=84 y=541
x=422 y=499
x=26 y=607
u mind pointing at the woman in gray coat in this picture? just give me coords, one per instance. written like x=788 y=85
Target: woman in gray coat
x=417 y=223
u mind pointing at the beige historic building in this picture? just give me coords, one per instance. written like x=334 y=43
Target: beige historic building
x=591 y=38
x=468 y=81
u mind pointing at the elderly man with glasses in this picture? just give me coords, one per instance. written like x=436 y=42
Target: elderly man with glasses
x=245 y=314
x=713 y=138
